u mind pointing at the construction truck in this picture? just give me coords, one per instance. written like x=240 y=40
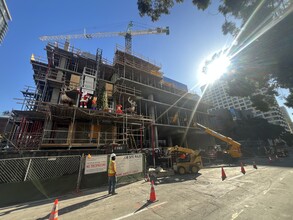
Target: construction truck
x=184 y=160
x=233 y=152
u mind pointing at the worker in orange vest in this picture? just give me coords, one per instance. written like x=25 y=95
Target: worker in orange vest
x=112 y=174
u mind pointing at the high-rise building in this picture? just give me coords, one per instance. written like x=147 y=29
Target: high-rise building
x=217 y=96
x=287 y=118
x=5 y=17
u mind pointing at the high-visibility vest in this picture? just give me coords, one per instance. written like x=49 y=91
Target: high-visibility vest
x=112 y=168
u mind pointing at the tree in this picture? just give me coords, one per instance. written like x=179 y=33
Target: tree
x=257 y=128
x=288 y=137
x=262 y=54
x=155 y=8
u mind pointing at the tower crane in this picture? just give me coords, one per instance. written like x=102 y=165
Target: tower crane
x=127 y=35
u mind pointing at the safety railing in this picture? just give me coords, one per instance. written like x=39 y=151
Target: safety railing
x=82 y=137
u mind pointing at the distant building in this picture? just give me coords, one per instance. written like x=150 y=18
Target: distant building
x=5 y=17
x=287 y=118
x=217 y=96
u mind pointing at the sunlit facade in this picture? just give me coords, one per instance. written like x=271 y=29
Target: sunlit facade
x=217 y=96
x=5 y=17
x=287 y=118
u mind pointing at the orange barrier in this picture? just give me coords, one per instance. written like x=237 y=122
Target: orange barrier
x=54 y=212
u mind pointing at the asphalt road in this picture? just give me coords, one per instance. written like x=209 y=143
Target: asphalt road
x=263 y=193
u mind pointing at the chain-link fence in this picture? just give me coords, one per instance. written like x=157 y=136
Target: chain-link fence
x=35 y=178
x=39 y=168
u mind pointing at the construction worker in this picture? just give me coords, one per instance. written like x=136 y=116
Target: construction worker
x=112 y=174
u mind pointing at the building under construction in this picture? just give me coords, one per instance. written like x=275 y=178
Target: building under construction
x=81 y=100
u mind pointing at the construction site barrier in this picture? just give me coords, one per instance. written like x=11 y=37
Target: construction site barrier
x=36 y=178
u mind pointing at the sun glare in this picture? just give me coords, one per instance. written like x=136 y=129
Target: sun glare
x=214 y=69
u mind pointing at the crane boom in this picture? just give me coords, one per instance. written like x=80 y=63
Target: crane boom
x=234 y=150
x=104 y=34
x=127 y=34
x=218 y=135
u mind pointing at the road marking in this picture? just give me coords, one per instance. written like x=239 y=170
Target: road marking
x=134 y=213
x=235 y=215
x=235 y=177
x=266 y=191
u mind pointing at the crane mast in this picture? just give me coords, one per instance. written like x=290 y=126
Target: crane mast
x=127 y=35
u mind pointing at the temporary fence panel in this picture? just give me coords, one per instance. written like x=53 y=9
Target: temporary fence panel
x=29 y=179
x=35 y=178
x=130 y=168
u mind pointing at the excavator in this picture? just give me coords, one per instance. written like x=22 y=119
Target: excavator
x=233 y=153
x=185 y=160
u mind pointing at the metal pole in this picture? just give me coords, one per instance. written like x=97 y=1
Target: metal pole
x=141 y=139
x=28 y=166
x=153 y=145
x=81 y=165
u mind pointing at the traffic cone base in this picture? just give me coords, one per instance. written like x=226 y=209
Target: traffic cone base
x=54 y=212
x=242 y=169
x=223 y=174
x=153 y=193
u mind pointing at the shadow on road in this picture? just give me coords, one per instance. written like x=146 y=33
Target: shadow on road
x=145 y=205
x=8 y=210
x=76 y=206
x=176 y=178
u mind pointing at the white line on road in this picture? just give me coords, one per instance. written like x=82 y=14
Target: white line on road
x=134 y=213
x=235 y=177
x=235 y=215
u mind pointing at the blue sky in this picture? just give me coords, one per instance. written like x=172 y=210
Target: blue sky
x=194 y=35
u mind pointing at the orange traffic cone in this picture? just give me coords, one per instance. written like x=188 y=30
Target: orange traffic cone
x=153 y=193
x=254 y=165
x=54 y=212
x=242 y=169
x=223 y=174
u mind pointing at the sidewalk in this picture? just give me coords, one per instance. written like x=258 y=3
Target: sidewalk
x=84 y=205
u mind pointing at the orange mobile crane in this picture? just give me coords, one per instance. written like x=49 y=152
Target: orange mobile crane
x=234 y=148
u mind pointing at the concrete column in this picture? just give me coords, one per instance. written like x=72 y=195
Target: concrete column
x=169 y=141
x=152 y=115
x=55 y=95
x=59 y=77
x=186 y=143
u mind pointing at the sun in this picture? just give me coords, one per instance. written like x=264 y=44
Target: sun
x=214 y=69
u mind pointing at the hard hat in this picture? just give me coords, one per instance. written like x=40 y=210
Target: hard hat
x=113 y=155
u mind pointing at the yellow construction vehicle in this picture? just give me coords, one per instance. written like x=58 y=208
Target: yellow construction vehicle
x=184 y=160
x=234 y=148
